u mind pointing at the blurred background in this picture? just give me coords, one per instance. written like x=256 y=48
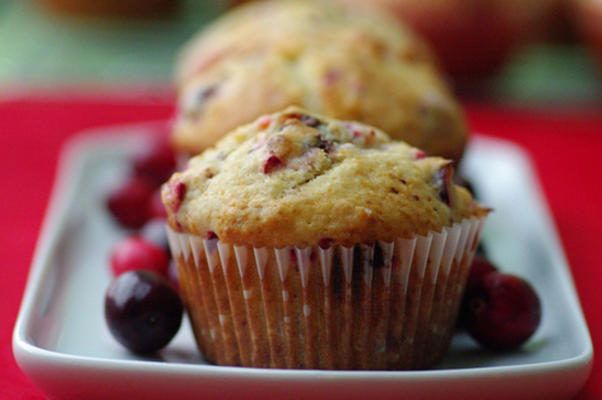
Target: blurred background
x=535 y=52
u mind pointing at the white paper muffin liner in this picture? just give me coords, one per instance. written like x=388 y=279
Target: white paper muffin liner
x=383 y=305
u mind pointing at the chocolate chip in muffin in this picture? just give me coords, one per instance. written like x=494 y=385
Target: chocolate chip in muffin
x=418 y=154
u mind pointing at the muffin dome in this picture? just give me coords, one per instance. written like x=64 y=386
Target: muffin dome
x=295 y=177
x=265 y=56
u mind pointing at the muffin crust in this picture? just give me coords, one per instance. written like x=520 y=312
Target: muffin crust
x=298 y=178
x=265 y=56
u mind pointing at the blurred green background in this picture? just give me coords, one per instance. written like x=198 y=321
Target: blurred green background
x=38 y=47
x=41 y=49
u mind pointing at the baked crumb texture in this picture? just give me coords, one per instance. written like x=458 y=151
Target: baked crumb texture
x=295 y=178
x=340 y=62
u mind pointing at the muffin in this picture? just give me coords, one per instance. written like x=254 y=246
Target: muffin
x=263 y=57
x=307 y=242
x=472 y=38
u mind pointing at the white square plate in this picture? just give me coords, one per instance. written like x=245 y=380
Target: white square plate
x=61 y=342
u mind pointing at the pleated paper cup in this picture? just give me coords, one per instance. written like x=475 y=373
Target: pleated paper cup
x=382 y=305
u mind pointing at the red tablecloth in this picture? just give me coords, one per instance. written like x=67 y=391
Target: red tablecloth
x=566 y=146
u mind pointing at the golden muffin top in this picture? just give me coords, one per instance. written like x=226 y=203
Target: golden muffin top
x=265 y=56
x=295 y=178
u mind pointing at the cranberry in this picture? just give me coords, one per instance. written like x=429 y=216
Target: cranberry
x=128 y=202
x=271 y=163
x=155 y=206
x=443 y=180
x=177 y=190
x=503 y=311
x=157 y=161
x=133 y=253
x=418 y=154
x=478 y=270
x=143 y=311
x=154 y=232
x=181 y=191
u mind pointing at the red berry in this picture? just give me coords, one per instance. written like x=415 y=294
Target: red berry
x=128 y=202
x=503 y=311
x=478 y=270
x=155 y=206
x=271 y=164
x=181 y=191
x=135 y=253
x=156 y=162
x=418 y=154
x=143 y=311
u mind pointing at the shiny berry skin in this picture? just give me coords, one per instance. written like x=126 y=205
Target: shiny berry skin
x=503 y=311
x=143 y=311
x=156 y=162
x=136 y=253
x=479 y=268
x=128 y=203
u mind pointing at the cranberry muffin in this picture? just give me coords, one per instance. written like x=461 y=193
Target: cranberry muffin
x=307 y=242
x=262 y=57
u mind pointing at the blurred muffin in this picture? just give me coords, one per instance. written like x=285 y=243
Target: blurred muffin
x=471 y=37
x=264 y=56
x=307 y=242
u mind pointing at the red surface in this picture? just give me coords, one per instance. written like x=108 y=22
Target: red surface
x=566 y=148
